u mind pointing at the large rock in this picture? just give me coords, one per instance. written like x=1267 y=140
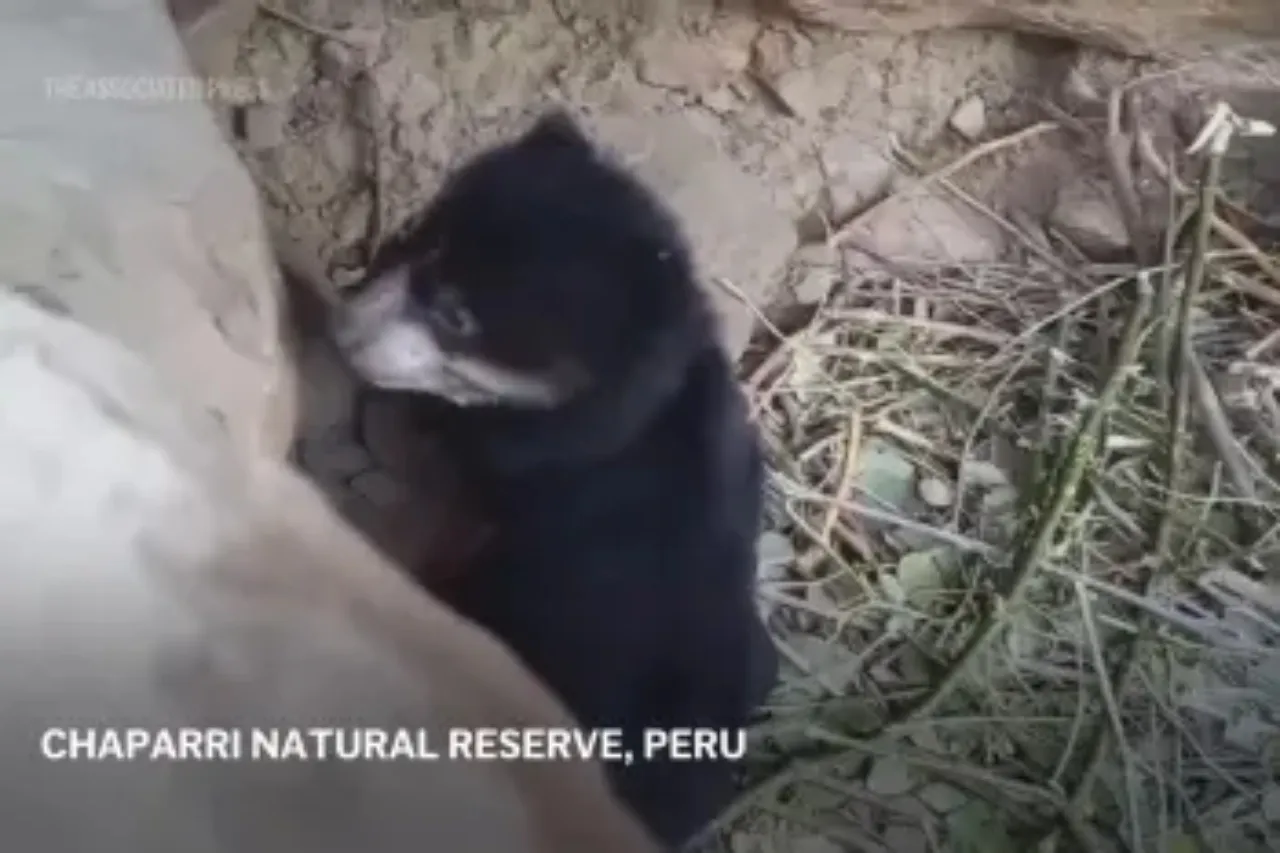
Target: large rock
x=1133 y=26
x=121 y=205
x=158 y=578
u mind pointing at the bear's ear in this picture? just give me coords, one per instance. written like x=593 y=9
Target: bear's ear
x=556 y=128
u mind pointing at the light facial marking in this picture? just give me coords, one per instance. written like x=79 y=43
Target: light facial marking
x=385 y=349
x=395 y=352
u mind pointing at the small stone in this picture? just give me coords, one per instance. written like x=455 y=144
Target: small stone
x=774 y=556
x=679 y=65
x=970 y=118
x=926 y=228
x=805 y=93
x=942 y=798
x=1000 y=499
x=813 y=285
x=936 y=493
x=859 y=172
x=984 y=474
x=1087 y=215
x=889 y=777
x=720 y=100
x=926 y=737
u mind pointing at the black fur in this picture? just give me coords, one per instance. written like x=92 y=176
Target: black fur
x=624 y=564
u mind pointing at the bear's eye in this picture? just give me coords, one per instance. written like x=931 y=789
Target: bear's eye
x=452 y=317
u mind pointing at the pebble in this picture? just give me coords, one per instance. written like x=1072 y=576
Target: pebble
x=813 y=285
x=1087 y=215
x=970 y=118
x=942 y=798
x=889 y=777
x=774 y=555
x=937 y=493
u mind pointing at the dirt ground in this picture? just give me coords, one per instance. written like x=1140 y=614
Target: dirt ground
x=794 y=155
x=756 y=133
x=765 y=136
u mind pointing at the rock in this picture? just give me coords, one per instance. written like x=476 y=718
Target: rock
x=885 y=476
x=684 y=62
x=1125 y=27
x=936 y=493
x=858 y=172
x=1087 y=215
x=812 y=285
x=984 y=474
x=736 y=232
x=161 y=575
x=889 y=777
x=920 y=575
x=920 y=227
x=806 y=92
x=721 y=100
x=816 y=269
x=774 y=556
x=136 y=216
x=970 y=118
x=796 y=88
x=942 y=798
x=679 y=64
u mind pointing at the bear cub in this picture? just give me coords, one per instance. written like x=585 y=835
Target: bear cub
x=546 y=308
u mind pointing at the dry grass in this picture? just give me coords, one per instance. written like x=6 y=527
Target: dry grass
x=1025 y=562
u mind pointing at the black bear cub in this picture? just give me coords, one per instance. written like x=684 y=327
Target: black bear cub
x=551 y=301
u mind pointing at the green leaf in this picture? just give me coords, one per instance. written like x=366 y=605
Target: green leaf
x=885 y=475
